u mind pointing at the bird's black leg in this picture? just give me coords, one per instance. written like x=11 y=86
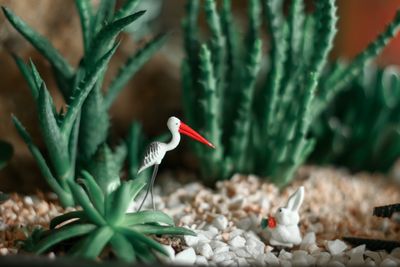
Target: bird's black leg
x=150 y=187
x=153 y=178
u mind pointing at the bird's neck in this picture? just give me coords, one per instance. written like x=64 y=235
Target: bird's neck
x=176 y=138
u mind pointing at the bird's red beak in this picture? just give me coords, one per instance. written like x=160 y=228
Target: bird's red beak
x=186 y=130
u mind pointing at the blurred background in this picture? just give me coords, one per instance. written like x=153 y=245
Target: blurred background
x=154 y=94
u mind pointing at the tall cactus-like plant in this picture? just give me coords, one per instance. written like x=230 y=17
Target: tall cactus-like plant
x=258 y=109
x=361 y=127
x=76 y=138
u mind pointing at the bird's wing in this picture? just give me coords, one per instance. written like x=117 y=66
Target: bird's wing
x=150 y=156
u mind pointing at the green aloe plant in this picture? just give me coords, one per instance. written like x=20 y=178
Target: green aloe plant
x=76 y=137
x=258 y=109
x=104 y=222
x=6 y=152
x=361 y=127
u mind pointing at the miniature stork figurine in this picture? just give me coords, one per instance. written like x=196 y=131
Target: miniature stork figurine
x=156 y=150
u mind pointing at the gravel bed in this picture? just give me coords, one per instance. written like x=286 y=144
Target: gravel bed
x=227 y=219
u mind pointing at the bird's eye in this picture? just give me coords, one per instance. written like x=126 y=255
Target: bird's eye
x=280 y=210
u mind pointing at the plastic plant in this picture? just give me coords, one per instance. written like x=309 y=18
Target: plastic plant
x=103 y=222
x=6 y=152
x=76 y=138
x=258 y=109
x=361 y=127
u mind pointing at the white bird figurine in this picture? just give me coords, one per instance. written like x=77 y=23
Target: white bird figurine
x=156 y=150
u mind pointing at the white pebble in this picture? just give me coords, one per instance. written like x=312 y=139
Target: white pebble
x=244 y=223
x=323 y=258
x=356 y=256
x=217 y=244
x=237 y=242
x=241 y=252
x=308 y=239
x=191 y=240
x=337 y=246
x=388 y=263
x=28 y=200
x=374 y=256
x=369 y=262
x=395 y=253
x=271 y=259
x=170 y=251
x=201 y=260
x=286 y=263
x=221 y=250
x=335 y=264
x=220 y=222
x=284 y=255
x=205 y=250
x=185 y=257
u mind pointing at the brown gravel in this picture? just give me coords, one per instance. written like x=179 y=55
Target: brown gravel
x=336 y=204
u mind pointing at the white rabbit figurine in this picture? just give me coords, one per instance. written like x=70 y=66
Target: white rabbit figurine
x=283 y=229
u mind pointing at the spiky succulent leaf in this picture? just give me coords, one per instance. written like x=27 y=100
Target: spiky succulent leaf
x=40 y=43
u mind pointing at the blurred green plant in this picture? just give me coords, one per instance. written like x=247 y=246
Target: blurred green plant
x=104 y=221
x=6 y=152
x=361 y=128
x=76 y=138
x=258 y=111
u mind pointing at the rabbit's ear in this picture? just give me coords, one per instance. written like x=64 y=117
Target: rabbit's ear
x=296 y=199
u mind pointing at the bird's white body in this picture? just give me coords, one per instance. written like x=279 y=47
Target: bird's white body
x=157 y=150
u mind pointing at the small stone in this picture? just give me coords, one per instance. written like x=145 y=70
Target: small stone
x=244 y=223
x=271 y=259
x=308 y=239
x=205 y=250
x=28 y=200
x=185 y=257
x=170 y=251
x=222 y=257
x=220 y=222
x=357 y=256
x=217 y=244
x=395 y=253
x=369 y=262
x=388 y=263
x=191 y=240
x=337 y=246
x=221 y=250
x=284 y=255
x=335 y=264
x=225 y=236
x=286 y=263
x=201 y=261
x=323 y=258
x=237 y=242
x=374 y=256
x=242 y=262
x=211 y=232
x=241 y=252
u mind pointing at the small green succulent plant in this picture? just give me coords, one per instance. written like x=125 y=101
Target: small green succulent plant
x=76 y=138
x=361 y=127
x=258 y=109
x=104 y=222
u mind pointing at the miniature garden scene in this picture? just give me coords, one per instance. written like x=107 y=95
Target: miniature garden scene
x=200 y=132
